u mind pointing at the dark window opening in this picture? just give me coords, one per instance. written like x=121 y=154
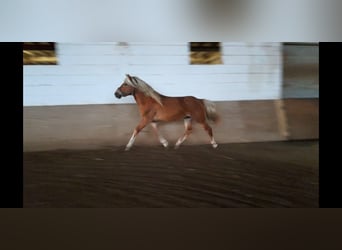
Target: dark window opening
x=205 y=53
x=39 y=53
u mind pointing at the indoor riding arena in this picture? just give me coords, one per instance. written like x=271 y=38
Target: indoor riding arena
x=76 y=130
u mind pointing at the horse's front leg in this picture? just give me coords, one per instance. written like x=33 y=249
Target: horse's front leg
x=136 y=131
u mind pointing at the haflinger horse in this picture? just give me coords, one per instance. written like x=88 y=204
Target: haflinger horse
x=155 y=107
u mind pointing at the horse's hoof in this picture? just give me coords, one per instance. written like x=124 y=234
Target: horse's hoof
x=215 y=145
x=165 y=144
x=127 y=149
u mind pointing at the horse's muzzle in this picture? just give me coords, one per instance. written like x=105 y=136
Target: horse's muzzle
x=118 y=94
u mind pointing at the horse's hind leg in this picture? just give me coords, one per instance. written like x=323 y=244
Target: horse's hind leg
x=188 y=129
x=210 y=133
x=162 y=140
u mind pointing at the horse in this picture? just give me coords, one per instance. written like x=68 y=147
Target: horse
x=155 y=107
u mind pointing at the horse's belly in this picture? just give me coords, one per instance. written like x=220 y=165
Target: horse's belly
x=169 y=116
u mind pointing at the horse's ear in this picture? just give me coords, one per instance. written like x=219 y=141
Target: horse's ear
x=129 y=77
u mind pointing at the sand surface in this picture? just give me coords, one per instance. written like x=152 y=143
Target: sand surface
x=266 y=174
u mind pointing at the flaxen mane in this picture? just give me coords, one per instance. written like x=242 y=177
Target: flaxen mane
x=142 y=86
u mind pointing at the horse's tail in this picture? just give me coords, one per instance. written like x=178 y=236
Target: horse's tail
x=210 y=110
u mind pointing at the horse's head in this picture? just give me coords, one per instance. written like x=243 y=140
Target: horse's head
x=125 y=89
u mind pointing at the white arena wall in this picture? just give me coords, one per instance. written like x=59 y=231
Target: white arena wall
x=88 y=73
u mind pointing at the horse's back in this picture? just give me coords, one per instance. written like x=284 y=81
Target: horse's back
x=192 y=103
x=184 y=102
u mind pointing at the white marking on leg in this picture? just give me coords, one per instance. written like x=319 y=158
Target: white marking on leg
x=131 y=141
x=187 y=124
x=213 y=143
x=180 y=141
x=162 y=140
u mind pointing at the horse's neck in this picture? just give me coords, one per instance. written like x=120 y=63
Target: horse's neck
x=140 y=97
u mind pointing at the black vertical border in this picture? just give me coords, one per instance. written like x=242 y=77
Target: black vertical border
x=12 y=125
x=330 y=70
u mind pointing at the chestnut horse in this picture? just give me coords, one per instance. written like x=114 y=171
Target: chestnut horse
x=155 y=107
